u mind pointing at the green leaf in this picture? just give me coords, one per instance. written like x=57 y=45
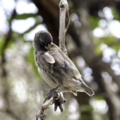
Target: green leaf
x=98 y=50
x=94 y=21
x=97 y=44
x=86 y=108
x=107 y=40
x=115 y=13
x=110 y=41
x=98 y=98
x=2 y=41
x=25 y=16
x=11 y=42
x=30 y=59
x=115 y=46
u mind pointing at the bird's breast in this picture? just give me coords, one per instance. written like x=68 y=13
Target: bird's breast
x=49 y=78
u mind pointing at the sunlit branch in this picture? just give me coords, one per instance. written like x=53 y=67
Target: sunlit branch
x=64 y=23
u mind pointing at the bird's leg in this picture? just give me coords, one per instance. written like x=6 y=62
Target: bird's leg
x=58 y=98
x=58 y=101
x=51 y=94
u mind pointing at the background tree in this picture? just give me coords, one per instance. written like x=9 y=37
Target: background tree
x=93 y=42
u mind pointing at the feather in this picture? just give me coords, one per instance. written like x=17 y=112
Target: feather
x=49 y=58
x=74 y=93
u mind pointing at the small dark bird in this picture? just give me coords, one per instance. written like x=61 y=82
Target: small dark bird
x=56 y=68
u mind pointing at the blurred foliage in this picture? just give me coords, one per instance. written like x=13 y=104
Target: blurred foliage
x=29 y=89
x=2 y=41
x=115 y=13
x=86 y=108
x=25 y=16
x=107 y=39
x=94 y=21
x=30 y=59
x=110 y=41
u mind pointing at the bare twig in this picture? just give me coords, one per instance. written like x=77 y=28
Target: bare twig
x=45 y=105
x=64 y=23
x=57 y=99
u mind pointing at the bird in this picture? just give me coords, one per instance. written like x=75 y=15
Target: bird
x=55 y=67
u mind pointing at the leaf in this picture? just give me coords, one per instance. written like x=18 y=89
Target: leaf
x=98 y=98
x=111 y=41
x=107 y=40
x=25 y=16
x=97 y=43
x=30 y=59
x=98 y=50
x=115 y=46
x=94 y=21
x=2 y=41
x=115 y=13
x=11 y=42
x=86 y=108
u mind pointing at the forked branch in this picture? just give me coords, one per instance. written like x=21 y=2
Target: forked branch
x=40 y=113
x=64 y=23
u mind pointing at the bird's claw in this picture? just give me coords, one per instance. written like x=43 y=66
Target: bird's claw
x=58 y=101
x=51 y=94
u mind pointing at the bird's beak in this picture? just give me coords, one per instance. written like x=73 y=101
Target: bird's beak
x=47 y=47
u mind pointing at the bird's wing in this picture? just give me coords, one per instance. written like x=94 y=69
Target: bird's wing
x=52 y=58
x=59 y=59
x=45 y=60
x=56 y=59
x=49 y=58
x=64 y=63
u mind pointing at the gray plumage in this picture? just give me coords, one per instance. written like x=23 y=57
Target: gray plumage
x=55 y=67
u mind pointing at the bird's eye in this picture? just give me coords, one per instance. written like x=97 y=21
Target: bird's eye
x=42 y=43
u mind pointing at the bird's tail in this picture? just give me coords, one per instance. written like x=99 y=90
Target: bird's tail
x=87 y=89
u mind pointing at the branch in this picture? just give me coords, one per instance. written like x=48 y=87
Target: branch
x=45 y=105
x=64 y=23
x=57 y=99
x=8 y=35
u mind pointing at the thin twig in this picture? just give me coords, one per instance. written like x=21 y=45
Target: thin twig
x=64 y=23
x=57 y=99
x=45 y=105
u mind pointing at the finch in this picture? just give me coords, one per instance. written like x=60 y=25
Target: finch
x=56 y=68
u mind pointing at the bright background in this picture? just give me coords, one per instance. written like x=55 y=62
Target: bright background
x=22 y=90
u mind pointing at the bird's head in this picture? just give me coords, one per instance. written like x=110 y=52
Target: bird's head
x=43 y=40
